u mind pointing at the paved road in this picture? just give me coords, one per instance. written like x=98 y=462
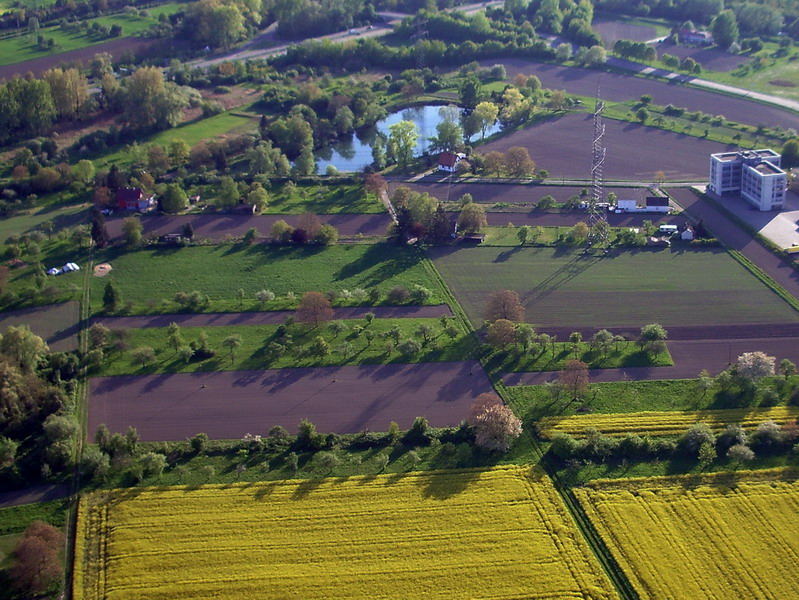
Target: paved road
x=690 y=357
x=736 y=238
x=269 y=317
x=227 y=405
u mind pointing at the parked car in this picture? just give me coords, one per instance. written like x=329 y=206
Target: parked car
x=67 y=268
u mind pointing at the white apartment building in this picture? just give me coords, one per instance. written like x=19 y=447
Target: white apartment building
x=754 y=174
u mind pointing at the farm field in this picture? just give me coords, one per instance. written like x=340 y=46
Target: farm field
x=376 y=537
x=562 y=147
x=219 y=271
x=711 y=537
x=219 y=227
x=57 y=324
x=352 y=346
x=619 y=87
x=619 y=28
x=567 y=288
x=229 y=404
x=24 y=48
x=665 y=422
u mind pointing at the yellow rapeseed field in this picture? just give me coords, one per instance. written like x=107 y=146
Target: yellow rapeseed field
x=664 y=422
x=680 y=538
x=500 y=533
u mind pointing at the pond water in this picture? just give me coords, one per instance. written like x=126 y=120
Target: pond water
x=355 y=152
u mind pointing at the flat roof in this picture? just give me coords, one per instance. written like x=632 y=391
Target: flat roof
x=768 y=169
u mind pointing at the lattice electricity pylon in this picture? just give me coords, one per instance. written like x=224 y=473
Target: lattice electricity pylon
x=597 y=215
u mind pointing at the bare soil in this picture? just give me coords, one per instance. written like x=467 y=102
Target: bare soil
x=227 y=405
x=221 y=226
x=56 y=323
x=612 y=31
x=713 y=59
x=634 y=152
x=620 y=87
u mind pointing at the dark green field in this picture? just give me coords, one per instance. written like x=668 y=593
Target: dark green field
x=629 y=289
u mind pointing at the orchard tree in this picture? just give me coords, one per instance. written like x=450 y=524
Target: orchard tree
x=755 y=365
x=258 y=197
x=574 y=378
x=501 y=333
x=653 y=338
x=505 y=304
x=495 y=425
x=36 y=567
x=232 y=343
x=314 y=308
x=132 y=230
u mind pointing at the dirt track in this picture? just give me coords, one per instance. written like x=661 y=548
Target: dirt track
x=269 y=318
x=634 y=152
x=115 y=48
x=37 y=493
x=738 y=239
x=690 y=357
x=227 y=405
x=220 y=226
x=618 y=87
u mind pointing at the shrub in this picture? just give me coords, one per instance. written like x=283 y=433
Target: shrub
x=398 y=295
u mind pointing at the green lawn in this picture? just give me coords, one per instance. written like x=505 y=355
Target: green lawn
x=554 y=357
x=23 y=48
x=30 y=220
x=16 y=518
x=350 y=347
x=191 y=133
x=148 y=276
x=531 y=402
x=323 y=200
x=628 y=288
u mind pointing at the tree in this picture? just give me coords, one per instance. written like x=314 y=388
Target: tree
x=790 y=154
x=707 y=454
x=59 y=427
x=486 y=114
x=574 y=378
x=725 y=28
x=99 y=232
x=448 y=138
x=754 y=365
x=258 y=198
x=143 y=356
x=470 y=92
x=23 y=347
x=84 y=171
x=653 y=338
x=132 y=230
x=739 y=454
x=212 y=23
x=174 y=337
x=36 y=564
x=504 y=304
x=642 y=115
x=282 y=231
x=8 y=451
x=787 y=368
x=563 y=52
x=472 y=218
x=327 y=235
x=579 y=233
x=69 y=90
x=148 y=101
x=229 y=194
x=495 y=425
x=111 y=298
x=306 y=163
x=501 y=333
x=697 y=435
x=232 y=343
x=314 y=308
x=402 y=142
x=174 y=198
x=518 y=162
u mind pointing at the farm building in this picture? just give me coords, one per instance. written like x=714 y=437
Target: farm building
x=655 y=204
x=754 y=174
x=695 y=37
x=134 y=199
x=448 y=161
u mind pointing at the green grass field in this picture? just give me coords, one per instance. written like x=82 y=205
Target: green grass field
x=30 y=220
x=350 y=347
x=327 y=199
x=148 y=276
x=23 y=48
x=564 y=287
x=191 y=133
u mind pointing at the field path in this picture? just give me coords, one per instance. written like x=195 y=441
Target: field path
x=275 y=317
x=731 y=234
x=227 y=405
x=36 y=493
x=690 y=357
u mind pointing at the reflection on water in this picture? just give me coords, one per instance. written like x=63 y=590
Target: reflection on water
x=355 y=152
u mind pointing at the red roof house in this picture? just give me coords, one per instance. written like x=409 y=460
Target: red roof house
x=134 y=199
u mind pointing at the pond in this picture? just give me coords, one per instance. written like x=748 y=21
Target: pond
x=355 y=152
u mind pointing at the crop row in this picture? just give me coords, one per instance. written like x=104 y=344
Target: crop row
x=664 y=422
x=674 y=539
x=499 y=533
